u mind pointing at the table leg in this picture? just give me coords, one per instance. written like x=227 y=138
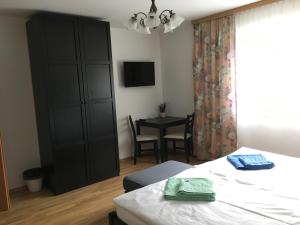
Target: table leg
x=162 y=133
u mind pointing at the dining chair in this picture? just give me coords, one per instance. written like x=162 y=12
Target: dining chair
x=186 y=137
x=140 y=139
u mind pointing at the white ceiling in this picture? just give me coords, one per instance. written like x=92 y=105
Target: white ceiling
x=117 y=11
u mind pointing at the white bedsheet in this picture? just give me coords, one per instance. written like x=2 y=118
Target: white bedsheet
x=128 y=217
x=266 y=197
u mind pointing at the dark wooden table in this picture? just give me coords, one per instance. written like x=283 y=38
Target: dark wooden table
x=162 y=124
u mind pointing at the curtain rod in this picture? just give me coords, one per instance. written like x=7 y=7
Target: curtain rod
x=234 y=11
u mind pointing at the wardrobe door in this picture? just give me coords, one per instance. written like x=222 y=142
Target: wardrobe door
x=100 y=109
x=60 y=38
x=95 y=41
x=65 y=100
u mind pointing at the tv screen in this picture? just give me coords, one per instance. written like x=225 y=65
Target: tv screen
x=139 y=74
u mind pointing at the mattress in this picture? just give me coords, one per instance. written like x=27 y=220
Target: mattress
x=128 y=217
x=267 y=197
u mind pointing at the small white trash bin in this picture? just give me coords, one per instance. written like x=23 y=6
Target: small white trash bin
x=33 y=179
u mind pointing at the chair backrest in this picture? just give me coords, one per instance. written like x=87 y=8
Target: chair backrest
x=189 y=125
x=132 y=127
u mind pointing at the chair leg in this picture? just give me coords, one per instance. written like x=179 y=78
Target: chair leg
x=174 y=147
x=192 y=146
x=186 y=149
x=135 y=153
x=139 y=149
x=156 y=152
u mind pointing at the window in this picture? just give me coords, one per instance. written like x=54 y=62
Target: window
x=268 y=68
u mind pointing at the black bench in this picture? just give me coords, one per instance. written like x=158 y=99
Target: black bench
x=153 y=174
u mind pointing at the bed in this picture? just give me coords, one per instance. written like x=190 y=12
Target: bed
x=266 y=197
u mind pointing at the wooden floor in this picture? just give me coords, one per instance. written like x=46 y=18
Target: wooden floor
x=88 y=205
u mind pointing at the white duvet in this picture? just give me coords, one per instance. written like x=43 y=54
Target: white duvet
x=266 y=197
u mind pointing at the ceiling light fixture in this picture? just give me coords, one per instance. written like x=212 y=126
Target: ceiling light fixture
x=142 y=23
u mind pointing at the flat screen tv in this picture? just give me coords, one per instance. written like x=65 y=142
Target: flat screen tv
x=139 y=74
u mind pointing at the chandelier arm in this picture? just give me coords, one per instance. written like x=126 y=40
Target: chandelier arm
x=140 y=13
x=166 y=10
x=163 y=17
x=142 y=18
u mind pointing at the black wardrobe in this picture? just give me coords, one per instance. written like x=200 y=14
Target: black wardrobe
x=71 y=66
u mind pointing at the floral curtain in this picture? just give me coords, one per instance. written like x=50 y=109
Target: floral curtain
x=214 y=88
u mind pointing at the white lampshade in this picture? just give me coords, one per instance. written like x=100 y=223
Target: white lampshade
x=175 y=21
x=168 y=27
x=141 y=28
x=152 y=20
x=131 y=24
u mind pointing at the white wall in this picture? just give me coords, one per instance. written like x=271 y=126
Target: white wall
x=177 y=69
x=17 y=117
x=140 y=102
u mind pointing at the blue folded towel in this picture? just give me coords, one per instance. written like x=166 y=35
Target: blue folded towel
x=235 y=161
x=250 y=162
x=256 y=162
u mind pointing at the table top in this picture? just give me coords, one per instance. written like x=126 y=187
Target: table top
x=162 y=122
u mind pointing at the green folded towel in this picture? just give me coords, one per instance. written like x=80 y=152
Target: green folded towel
x=189 y=189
